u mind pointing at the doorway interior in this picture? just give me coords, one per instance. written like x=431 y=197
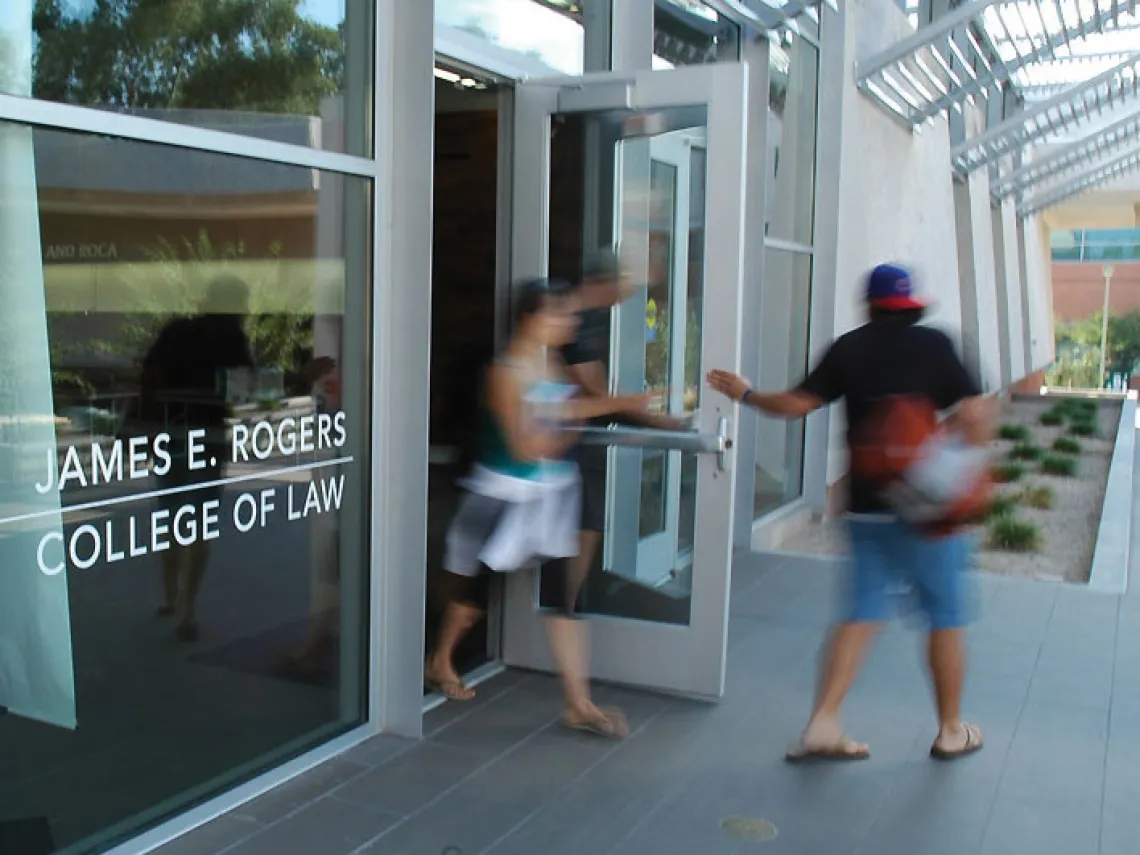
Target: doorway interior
x=465 y=262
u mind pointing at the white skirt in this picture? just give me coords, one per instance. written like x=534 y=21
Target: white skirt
x=508 y=523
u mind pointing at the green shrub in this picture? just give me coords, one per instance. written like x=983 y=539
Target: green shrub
x=1042 y=498
x=1007 y=473
x=1087 y=407
x=1014 y=433
x=1002 y=506
x=1026 y=451
x=1083 y=428
x=1061 y=465
x=1052 y=418
x=1066 y=445
x=1013 y=535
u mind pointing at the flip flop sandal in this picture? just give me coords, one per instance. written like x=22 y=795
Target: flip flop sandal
x=974 y=744
x=844 y=751
x=611 y=724
x=453 y=690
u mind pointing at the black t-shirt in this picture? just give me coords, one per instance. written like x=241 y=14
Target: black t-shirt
x=888 y=358
x=591 y=344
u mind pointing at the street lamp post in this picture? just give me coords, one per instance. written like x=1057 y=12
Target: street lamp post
x=1107 y=271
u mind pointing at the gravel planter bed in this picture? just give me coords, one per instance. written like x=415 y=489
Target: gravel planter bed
x=1068 y=529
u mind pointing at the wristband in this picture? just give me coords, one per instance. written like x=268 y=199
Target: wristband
x=744 y=397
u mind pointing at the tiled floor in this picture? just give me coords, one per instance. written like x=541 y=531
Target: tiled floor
x=1055 y=682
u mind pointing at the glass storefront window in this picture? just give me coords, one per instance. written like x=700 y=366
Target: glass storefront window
x=792 y=127
x=547 y=33
x=293 y=72
x=184 y=446
x=785 y=307
x=690 y=32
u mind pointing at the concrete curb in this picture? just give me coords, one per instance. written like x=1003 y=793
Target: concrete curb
x=1114 y=536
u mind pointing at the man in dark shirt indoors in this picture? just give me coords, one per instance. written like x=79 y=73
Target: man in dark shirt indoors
x=587 y=359
x=889 y=355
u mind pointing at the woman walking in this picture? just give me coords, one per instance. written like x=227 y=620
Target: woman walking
x=523 y=495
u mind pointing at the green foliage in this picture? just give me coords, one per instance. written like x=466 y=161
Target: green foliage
x=1061 y=465
x=1075 y=369
x=1014 y=433
x=260 y=56
x=1052 y=418
x=1007 y=473
x=1083 y=338
x=1066 y=445
x=1011 y=534
x=1083 y=428
x=1042 y=498
x=1026 y=451
x=1002 y=506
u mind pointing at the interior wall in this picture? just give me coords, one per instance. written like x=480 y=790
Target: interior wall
x=895 y=196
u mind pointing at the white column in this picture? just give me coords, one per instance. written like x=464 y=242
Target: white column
x=36 y=674
x=754 y=51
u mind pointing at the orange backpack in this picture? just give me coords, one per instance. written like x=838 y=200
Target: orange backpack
x=900 y=447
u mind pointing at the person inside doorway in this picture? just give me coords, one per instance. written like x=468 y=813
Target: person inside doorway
x=890 y=355
x=604 y=285
x=523 y=496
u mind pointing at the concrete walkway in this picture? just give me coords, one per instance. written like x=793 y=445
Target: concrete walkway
x=1055 y=683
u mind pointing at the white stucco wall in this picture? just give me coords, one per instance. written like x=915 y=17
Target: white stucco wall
x=1007 y=268
x=895 y=198
x=1038 y=300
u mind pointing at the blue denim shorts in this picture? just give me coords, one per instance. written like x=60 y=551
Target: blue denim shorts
x=893 y=565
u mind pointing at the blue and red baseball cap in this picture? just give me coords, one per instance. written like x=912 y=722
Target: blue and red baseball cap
x=891 y=287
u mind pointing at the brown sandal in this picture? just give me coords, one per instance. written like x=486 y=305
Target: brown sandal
x=845 y=750
x=453 y=690
x=974 y=743
x=608 y=724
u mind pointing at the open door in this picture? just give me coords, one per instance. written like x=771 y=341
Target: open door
x=650 y=164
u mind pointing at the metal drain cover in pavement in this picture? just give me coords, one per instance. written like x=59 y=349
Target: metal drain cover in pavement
x=749 y=828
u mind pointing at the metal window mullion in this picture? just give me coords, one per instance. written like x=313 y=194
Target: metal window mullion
x=72 y=118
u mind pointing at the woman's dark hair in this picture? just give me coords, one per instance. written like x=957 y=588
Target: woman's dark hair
x=534 y=295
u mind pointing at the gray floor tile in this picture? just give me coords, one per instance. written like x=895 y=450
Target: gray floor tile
x=212 y=837
x=413 y=779
x=300 y=791
x=1018 y=826
x=378 y=750
x=327 y=827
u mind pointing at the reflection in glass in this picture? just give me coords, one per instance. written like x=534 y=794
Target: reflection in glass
x=282 y=70
x=648 y=201
x=785 y=304
x=547 y=33
x=202 y=330
x=690 y=32
x=792 y=126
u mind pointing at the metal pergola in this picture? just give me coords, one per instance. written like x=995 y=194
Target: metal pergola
x=1050 y=118
x=1095 y=177
x=976 y=50
x=1093 y=148
x=1059 y=65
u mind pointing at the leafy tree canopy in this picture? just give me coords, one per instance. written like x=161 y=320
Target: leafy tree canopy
x=257 y=55
x=1123 y=351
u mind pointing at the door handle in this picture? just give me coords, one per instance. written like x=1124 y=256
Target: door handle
x=690 y=442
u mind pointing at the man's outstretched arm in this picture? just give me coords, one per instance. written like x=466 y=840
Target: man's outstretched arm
x=791 y=404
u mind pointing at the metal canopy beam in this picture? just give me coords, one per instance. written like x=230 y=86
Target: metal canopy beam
x=1060 y=113
x=1095 y=177
x=768 y=15
x=1095 y=147
x=945 y=64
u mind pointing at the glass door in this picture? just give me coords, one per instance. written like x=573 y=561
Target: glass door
x=647 y=164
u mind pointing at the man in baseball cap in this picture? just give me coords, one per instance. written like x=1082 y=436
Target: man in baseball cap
x=890 y=355
x=891 y=288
